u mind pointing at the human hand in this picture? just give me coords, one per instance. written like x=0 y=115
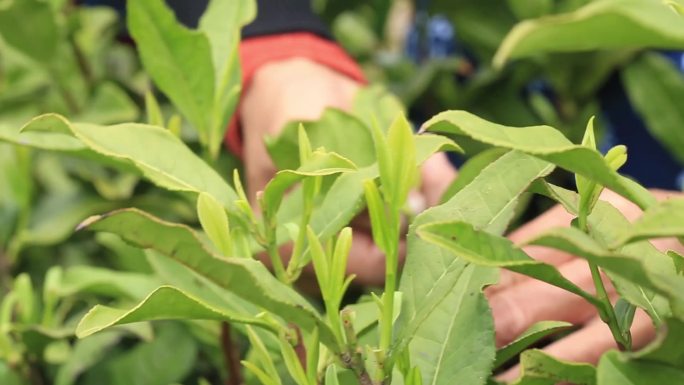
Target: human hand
x=298 y=90
x=518 y=302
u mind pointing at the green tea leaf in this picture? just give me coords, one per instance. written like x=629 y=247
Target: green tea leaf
x=604 y=24
x=543 y=142
x=646 y=271
x=154 y=114
x=666 y=348
x=85 y=354
x=170 y=165
x=169 y=358
x=212 y=216
x=479 y=247
x=538 y=368
x=678 y=261
x=221 y=23
x=665 y=219
x=31 y=27
x=166 y=302
x=106 y=282
x=246 y=278
x=320 y=164
x=110 y=104
x=428 y=283
x=614 y=368
x=178 y=59
x=653 y=85
x=533 y=334
x=336 y=131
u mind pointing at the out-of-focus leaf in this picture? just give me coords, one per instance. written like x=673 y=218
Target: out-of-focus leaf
x=336 y=131
x=654 y=85
x=31 y=27
x=178 y=60
x=533 y=334
x=603 y=24
x=167 y=359
x=376 y=105
x=543 y=142
x=221 y=23
x=101 y=281
x=55 y=217
x=614 y=368
x=110 y=104
x=666 y=348
x=84 y=355
x=247 y=278
x=539 y=368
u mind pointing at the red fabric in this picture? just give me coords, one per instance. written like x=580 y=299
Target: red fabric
x=257 y=51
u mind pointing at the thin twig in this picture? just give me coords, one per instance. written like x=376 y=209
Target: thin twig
x=231 y=356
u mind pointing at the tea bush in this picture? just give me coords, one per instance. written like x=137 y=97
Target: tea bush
x=162 y=282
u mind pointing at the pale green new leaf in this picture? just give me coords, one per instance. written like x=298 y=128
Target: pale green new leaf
x=214 y=220
x=178 y=59
x=604 y=24
x=246 y=278
x=533 y=334
x=166 y=302
x=543 y=142
x=539 y=368
x=319 y=164
x=152 y=110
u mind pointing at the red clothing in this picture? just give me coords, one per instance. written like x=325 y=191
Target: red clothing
x=257 y=51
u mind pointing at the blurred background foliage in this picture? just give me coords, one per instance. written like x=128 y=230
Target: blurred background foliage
x=434 y=55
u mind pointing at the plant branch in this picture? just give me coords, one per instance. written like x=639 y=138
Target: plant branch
x=231 y=356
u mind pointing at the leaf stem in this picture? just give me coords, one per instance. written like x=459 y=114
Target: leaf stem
x=231 y=356
x=606 y=312
x=391 y=266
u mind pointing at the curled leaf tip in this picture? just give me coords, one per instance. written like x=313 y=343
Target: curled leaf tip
x=89 y=221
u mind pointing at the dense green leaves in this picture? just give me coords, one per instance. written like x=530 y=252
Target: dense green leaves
x=600 y=24
x=543 y=142
x=247 y=278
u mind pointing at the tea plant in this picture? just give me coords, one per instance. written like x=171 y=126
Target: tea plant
x=430 y=324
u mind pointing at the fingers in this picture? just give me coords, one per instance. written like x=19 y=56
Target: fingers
x=437 y=173
x=289 y=90
x=519 y=306
x=590 y=342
